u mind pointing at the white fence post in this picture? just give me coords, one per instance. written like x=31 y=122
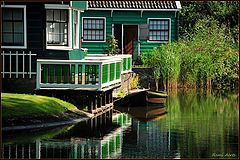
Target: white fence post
x=16 y=64
x=38 y=75
x=30 y=65
x=3 y=64
x=100 y=76
x=10 y=69
x=23 y=64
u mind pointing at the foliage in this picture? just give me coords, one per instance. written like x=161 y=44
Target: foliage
x=164 y=61
x=112 y=46
x=208 y=55
x=225 y=12
x=18 y=105
x=121 y=93
x=134 y=83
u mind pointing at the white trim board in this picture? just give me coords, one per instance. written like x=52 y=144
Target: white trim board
x=24 y=26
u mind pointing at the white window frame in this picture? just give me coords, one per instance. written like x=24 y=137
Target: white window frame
x=77 y=33
x=70 y=38
x=170 y=23
x=104 y=38
x=24 y=26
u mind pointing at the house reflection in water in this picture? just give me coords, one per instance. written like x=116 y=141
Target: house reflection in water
x=68 y=145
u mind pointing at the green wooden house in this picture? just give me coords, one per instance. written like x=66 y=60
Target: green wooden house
x=62 y=44
x=137 y=25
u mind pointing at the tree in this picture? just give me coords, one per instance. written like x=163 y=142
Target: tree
x=112 y=46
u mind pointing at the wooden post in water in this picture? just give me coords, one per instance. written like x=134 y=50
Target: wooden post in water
x=104 y=99
x=107 y=97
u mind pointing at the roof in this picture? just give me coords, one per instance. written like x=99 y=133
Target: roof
x=156 y=5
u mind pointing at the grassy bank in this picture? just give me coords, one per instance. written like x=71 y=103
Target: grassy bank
x=20 y=109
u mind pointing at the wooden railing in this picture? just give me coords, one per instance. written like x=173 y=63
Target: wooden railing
x=18 y=63
x=91 y=73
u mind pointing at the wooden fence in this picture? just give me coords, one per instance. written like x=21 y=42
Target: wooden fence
x=18 y=63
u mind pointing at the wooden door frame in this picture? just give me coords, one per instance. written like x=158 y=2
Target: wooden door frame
x=123 y=33
x=138 y=32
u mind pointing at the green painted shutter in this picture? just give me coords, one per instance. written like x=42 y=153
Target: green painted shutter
x=72 y=73
x=66 y=73
x=51 y=71
x=129 y=64
x=104 y=150
x=118 y=70
x=124 y=64
x=112 y=71
x=45 y=73
x=79 y=74
x=59 y=73
x=105 y=73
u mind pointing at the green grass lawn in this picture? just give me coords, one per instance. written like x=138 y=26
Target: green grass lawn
x=19 y=105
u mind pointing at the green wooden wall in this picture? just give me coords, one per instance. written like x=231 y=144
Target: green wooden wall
x=128 y=17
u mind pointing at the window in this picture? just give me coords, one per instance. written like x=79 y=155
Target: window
x=57 y=27
x=14 y=26
x=159 y=29
x=76 y=28
x=93 y=29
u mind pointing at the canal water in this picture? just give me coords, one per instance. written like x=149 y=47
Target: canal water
x=195 y=126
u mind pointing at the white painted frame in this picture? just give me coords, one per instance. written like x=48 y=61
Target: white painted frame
x=70 y=38
x=77 y=33
x=170 y=30
x=24 y=26
x=104 y=28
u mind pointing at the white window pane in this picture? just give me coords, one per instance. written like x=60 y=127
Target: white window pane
x=18 y=27
x=93 y=32
x=89 y=37
x=101 y=33
x=89 y=26
x=56 y=38
x=7 y=26
x=85 y=37
x=97 y=37
x=18 y=38
x=7 y=14
x=150 y=26
x=166 y=33
x=63 y=15
x=56 y=28
x=49 y=15
x=93 y=25
x=162 y=37
x=7 y=38
x=101 y=37
x=57 y=15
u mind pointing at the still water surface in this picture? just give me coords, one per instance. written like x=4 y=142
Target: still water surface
x=195 y=125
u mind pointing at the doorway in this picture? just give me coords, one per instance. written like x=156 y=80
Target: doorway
x=130 y=38
x=127 y=36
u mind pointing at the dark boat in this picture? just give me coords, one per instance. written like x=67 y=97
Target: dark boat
x=156 y=97
x=156 y=94
x=145 y=113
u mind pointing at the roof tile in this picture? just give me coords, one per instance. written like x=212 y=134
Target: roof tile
x=133 y=4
